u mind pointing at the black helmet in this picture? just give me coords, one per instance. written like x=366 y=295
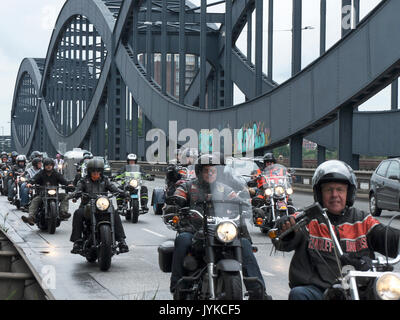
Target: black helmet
x=95 y=164
x=35 y=162
x=335 y=171
x=14 y=154
x=131 y=157
x=269 y=157
x=206 y=160
x=48 y=161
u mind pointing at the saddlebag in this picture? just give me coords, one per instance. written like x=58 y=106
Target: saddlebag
x=165 y=253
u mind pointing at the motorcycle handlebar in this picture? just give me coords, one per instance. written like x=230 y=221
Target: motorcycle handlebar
x=301 y=219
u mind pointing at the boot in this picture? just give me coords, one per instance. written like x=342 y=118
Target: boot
x=28 y=219
x=123 y=247
x=78 y=246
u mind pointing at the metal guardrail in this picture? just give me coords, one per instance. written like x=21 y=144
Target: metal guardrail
x=303 y=175
x=18 y=280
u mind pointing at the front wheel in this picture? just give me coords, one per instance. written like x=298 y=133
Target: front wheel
x=105 y=247
x=135 y=211
x=229 y=286
x=373 y=206
x=52 y=220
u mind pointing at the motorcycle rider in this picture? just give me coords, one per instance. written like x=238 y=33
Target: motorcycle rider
x=313 y=267
x=94 y=182
x=190 y=192
x=5 y=165
x=29 y=174
x=131 y=159
x=269 y=159
x=20 y=164
x=48 y=176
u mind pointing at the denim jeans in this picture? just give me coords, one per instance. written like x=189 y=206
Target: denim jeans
x=306 y=293
x=24 y=192
x=183 y=243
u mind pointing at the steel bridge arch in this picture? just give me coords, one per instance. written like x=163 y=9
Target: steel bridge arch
x=301 y=88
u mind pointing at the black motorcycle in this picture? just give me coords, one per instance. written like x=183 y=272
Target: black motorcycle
x=3 y=180
x=48 y=215
x=376 y=281
x=98 y=230
x=18 y=180
x=214 y=264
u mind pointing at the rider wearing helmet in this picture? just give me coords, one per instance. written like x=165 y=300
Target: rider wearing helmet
x=36 y=166
x=131 y=159
x=14 y=155
x=94 y=182
x=314 y=267
x=201 y=188
x=48 y=176
x=18 y=168
x=269 y=159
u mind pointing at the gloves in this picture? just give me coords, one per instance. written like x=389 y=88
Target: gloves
x=361 y=264
x=281 y=221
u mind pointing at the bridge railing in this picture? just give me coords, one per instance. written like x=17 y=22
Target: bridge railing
x=303 y=176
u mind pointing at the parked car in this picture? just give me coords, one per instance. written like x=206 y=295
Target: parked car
x=384 y=191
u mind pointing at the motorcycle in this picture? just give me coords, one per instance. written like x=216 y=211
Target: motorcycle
x=98 y=230
x=131 y=181
x=274 y=200
x=18 y=180
x=213 y=265
x=3 y=181
x=376 y=282
x=48 y=215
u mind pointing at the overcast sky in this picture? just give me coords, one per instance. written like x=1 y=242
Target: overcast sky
x=26 y=27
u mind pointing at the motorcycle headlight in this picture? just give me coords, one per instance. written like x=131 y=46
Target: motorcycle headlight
x=102 y=203
x=268 y=192
x=289 y=191
x=22 y=179
x=388 y=287
x=279 y=191
x=60 y=166
x=51 y=192
x=133 y=183
x=226 y=232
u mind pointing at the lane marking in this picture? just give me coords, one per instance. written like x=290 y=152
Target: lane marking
x=155 y=233
x=267 y=274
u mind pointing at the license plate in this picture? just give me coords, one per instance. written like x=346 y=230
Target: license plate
x=134 y=196
x=282 y=205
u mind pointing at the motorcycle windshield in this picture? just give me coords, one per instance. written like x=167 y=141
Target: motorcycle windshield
x=244 y=167
x=132 y=171
x=218 y=201
x=276 y=175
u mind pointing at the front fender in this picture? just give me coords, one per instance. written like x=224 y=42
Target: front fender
x=229 y=265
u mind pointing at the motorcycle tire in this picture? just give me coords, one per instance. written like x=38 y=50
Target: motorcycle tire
x=229 y=286
x=17 y=204
x=105 y=250
x=52 y=220
x=158 y=209
x=128 y=214
x=135 y=211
